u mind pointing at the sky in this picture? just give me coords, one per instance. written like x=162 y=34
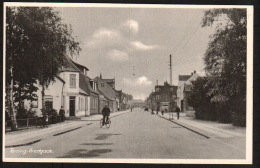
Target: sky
x=120 y=42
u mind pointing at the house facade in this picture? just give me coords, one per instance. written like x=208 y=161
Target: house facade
x=53 y=98
x=90 y=87
x=164 y=97
x=78 y=94
x=180 y=95
x=108 y=91
x=184 y=89
x=123 y=100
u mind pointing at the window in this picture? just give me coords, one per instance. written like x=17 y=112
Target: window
x=157 y=89
x=86 y=104
x=81 y=104
x=34 y=103
x=102 y=84
x=157 y=97
x=73 y=80
x=63 y=101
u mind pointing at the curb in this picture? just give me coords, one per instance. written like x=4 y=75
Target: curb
x=192 y=130
x=49 y=131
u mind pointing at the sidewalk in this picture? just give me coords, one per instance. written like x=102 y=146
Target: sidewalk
x=33 y=134
x=208 y=128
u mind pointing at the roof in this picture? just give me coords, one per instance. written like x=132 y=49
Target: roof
x=82 y=91
x=107 y=97
x=83 y=79
x=69 y=69
x=78 y=65
x=107 y=85
x=184 y=77
x=109 y=80
x=60 y=79
x=87 y=84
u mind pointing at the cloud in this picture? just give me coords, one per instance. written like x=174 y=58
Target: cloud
x=104 y=37
x=105 y=33
x=131 y=25
x=139 y=87
x=118 y=56
x=141 y=81
x=140 y=46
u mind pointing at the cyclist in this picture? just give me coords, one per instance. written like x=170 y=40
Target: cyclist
x=105 y=113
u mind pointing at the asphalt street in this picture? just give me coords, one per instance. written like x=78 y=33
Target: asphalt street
x=136 y=134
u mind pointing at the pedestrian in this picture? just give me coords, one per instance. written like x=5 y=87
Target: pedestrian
x=177 y=110
x=162 y=111
x=62 y=114
x=157 y=110
x=45 y=121
x=105 y=113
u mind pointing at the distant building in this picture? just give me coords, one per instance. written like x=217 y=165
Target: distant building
x=184 y=88
x=182 y=80
x=108 y=91
x=137 y=103
x=165 y=96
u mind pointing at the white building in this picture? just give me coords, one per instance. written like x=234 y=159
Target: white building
x=183 y=81
x=68 y=90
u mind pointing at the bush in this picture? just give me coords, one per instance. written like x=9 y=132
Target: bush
x=24 y=113
x=238 y=114
x=53 y=116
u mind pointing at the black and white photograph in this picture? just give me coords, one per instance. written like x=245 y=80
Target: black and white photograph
x=127 y=83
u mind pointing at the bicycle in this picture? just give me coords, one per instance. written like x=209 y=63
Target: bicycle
x=43 y=122
x=107 y=123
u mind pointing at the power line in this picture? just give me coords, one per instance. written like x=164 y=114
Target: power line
x=191 y=22
x=188 y=32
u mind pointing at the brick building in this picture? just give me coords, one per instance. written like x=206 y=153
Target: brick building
x=164 y=97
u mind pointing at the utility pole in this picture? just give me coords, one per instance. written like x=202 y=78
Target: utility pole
x=170 y=69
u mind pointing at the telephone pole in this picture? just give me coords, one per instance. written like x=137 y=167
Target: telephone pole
x=170 y=69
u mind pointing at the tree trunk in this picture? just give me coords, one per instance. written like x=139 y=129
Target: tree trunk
x=14 y=125
x=43 y=103
x=20 y=99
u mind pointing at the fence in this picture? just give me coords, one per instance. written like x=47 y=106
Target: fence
x=31 y=122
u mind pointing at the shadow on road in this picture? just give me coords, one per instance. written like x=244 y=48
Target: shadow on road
x=97 y=144
x=104 y=136
x=82 y=153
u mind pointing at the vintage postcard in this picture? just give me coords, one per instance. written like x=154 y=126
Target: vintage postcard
x=127 y=83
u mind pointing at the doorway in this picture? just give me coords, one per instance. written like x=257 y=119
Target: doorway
x=72 y=105
x=182 y=105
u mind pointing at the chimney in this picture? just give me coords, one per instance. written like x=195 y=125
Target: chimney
x=194 y=71
x=157 y=82
x=100 y=76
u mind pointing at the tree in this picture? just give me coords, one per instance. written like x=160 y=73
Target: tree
x=225 y=59
x=201 y=101
x=37 y=43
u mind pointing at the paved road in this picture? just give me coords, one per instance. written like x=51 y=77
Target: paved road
x=136 y=134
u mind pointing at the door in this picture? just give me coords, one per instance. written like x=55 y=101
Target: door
x=181 y=105
x=72 y=106
x=48 y=106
